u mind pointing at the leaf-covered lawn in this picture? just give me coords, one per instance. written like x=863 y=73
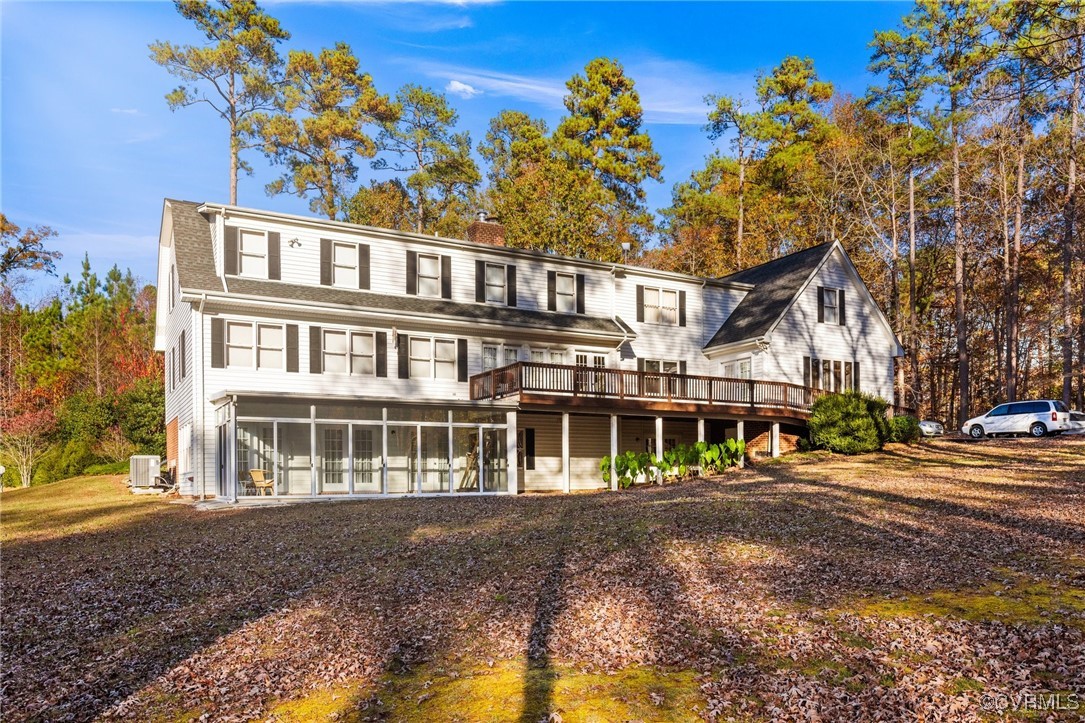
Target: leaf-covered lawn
x=916 y=583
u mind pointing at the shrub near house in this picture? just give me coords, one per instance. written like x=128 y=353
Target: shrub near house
x=849 y=423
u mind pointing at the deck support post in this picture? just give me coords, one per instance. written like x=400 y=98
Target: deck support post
x=232 y=472
x=613 y=450
x=740 y=434
x=700 y=429
x=659 y=447
x=512 y=456
x=774 y=439
x=565 y=473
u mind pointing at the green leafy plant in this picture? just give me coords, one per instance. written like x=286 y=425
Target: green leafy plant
x=904 y=428
x=849 y=423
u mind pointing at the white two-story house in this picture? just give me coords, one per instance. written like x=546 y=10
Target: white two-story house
x=347 y=360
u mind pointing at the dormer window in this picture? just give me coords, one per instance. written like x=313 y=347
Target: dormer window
x=252 y=254
x=345 y=265
x=429 y=275
x=565 y=293
x=830 y=305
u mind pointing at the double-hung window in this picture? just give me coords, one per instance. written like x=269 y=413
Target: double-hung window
x=737 y=368
x=269 y=346
x=660 y=306
x=829 y=300
x=349 y=352
x=429 y=275
x=565 y=293
x=239 y=344
x=252 y=254
x=496 y=279
x=345 y=265
x=553 y=356
x=432 y=358
x=492 y=354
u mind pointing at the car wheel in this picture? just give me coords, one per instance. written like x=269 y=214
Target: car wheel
x=1037 y=430
x=976 y=432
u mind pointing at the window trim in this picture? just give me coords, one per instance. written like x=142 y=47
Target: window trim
x=833 y=293
x=432 y=359
x=254 y=347
x=558 y=295
x=419 y=276
x=241 y=232
x=353 y=269
x=486 y=285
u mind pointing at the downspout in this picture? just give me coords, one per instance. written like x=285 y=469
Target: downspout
x=198 y=397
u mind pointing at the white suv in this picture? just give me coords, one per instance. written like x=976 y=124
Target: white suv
x=1035 y=418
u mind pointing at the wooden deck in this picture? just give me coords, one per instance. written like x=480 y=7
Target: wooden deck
x=540 y=384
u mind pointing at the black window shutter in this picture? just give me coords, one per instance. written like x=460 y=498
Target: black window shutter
x=480 y=281
x=325 y=262
x=840 y=307
x=640 y=364
x=316 y=350
x=461 y=360
x=681 y=308
x=580 y=293
x=230 y=254
x=363 y=266
x=274 y=265
x=855 y=375
x=402 y=343
x=182 y=349
x=446 y=277
x=821 y=304
x=529 y=448
x=291 y=347
x=510 y=285
x=640 y=302
x=806 y=371
x=551 y=290
x=682 y=366
x=815 y=367
x=380 y=349
x=218 y=344
x=412 y=274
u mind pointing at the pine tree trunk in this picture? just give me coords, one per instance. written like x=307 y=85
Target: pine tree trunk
x=1068 y=243
x=964 y=406
x=235 y=142
x=1013 y=324
x=741 y=208
x=913 y=312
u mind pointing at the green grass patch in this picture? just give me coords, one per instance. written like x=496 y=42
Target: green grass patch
x=510 y=690
x=79 y=504
x=1020 y=602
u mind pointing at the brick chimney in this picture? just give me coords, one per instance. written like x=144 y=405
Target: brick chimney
x=486 y=230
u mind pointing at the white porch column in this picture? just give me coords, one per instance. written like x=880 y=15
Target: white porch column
x=740 y=434
x=613 y=450
x=565 y=477
x=384 y=450
x=231 y=450
x=700 y=429
x=775 y=439
x=312 y=449
x=659 y=447
x=511 y=452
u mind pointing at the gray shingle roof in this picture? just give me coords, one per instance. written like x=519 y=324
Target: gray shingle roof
x=192 y=243
x=196 y=271
x=775 y=285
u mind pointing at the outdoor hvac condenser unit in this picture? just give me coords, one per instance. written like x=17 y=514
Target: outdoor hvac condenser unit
x=142 y=469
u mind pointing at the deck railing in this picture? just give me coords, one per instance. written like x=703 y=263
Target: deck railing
x=608 y=383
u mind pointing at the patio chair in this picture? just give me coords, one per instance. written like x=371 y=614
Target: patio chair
x=262 y=484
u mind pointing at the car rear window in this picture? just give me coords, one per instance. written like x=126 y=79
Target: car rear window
x=1060 y=407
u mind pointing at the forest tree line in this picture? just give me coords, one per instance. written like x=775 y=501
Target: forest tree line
x=952 y=181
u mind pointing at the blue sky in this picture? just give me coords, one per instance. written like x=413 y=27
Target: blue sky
x=89 y=147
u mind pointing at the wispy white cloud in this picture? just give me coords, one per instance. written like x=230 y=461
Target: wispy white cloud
x=463 y=90
x=125 y=111
x=671 y=91
x=543 y=91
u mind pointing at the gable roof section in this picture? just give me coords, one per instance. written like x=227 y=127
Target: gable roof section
x=193 y=250
x=424 y=306
x=776 y=283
